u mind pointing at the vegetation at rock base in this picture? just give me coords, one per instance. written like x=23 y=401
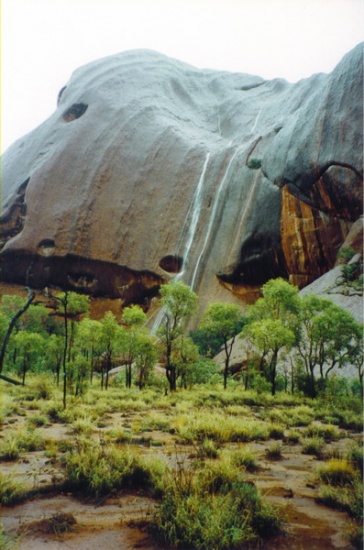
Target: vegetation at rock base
x=288 y=341
x=288 y=395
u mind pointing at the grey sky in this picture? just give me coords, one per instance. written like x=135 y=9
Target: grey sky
x=44 y=41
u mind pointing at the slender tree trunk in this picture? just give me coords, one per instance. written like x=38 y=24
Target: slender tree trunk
x=31 y=296
x=65 y=303
x=273 y=370
x=171 y=376
x=24 y=370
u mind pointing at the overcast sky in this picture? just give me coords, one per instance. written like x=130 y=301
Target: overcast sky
x=44 y=41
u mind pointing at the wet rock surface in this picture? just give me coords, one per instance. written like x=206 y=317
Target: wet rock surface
x=150 y=167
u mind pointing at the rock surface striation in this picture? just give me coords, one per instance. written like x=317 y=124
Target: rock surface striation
x=151 y=169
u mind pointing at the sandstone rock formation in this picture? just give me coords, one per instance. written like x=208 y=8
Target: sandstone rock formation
x=151 y=169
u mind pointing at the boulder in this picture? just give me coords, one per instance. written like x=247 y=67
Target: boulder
x=150 y=169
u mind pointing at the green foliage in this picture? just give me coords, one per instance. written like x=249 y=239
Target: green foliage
x=11 y=491
x=223 y=321
x=178 y=302
x=212 y=508
x=313 y=445
x=19 y=440
x=330 y=337
x=274 y=452
x=208 y=345
x=95 y=469
x=273 y=325
x=244 y=457
x=77 y=304
x=337 y=472
x=346 y=253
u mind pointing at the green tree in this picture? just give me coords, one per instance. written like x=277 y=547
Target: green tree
x=30 y=348
x=178 y=302
x=111 y=336
x=185 y=357
x=274 y=325
x=70 y=306
x=146 y=357
x=88 y=344
x=54 y=353
x=13 y=319
x=330 y=338
x=271 y=337
x=133 y=318
x=223 y=321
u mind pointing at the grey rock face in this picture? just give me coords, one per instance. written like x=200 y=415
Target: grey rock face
x=151 y=169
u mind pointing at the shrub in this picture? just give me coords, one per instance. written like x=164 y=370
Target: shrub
x=9 y=447
x=220 y=428
x=37 y=420
x=348 y=498
x=42 y=388
x=207 y=449
x=313 y=446
x=98 y=469
x=355 y=456
x=214 y=508
x=244 y=457
x=11 y=491
x=276 y=431
x=83 y=426
x=337 y=472
x=274 y=452
x=293 y=436
x=16 y=441
x=346 y=253
x=328 y=433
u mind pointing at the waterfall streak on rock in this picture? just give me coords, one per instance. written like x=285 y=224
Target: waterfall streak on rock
x=256 y=120
x=196 y=210
x=213 y=214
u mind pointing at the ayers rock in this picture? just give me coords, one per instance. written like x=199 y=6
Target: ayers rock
x=151 y=169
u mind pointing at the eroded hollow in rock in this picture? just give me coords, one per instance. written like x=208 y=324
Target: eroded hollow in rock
x=46 y=247
x=171 y=264
x=12 y=221
x=74 y=112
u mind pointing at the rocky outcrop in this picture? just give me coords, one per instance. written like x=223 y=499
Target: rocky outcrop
x=151 y=169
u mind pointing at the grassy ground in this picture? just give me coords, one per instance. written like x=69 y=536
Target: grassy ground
x=196 y=452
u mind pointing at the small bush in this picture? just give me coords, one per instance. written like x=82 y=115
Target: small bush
x=16 y=441
x=276 y=431
x=293 y=437
x=347 y=498
x=244 y=457
x=42 y=387
x=313 y=446
x=207 y=449
x=96 y=470
x=328 y=433
x=214 y=508
x=119 y=435
x=274 y=452
x=11 y=491
x=9 y=447
x=37 y=420
x=337 y=472
x=355 y=456
x=346 y=253
x=83 y=426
